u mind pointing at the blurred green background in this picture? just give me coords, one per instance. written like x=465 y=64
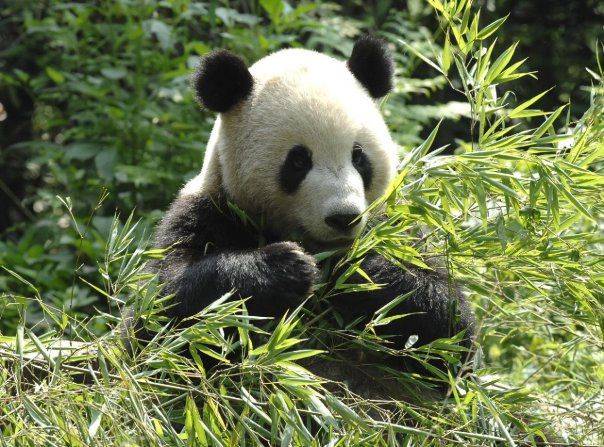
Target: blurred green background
x=97 y=105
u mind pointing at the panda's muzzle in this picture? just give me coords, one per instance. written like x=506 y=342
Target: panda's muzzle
x=343 y=222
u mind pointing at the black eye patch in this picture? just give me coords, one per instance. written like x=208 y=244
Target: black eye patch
x=295 y=167
x=362 y=164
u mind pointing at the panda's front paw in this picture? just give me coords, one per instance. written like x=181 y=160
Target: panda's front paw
x=293 y=272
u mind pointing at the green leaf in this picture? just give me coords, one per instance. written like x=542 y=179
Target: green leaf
x=274 y=8
x=447 y=55
x=465 y=18
x=53 y=74
x=81 y=151
x=383 y=311
x=472 y=32
x=549 y=122
x=437 y=4
x=481 y=197
x=570 y=196
x=105 y=162
x=193 y=425
x=500 y=64
x=161 y=31
x=96 y=415
x=491 y=28
x=421 y=56
x=483 y=62
x=114 y=73
x=290 y=356
x=515 y=113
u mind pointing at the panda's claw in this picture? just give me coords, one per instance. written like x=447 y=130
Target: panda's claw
x=292 y=269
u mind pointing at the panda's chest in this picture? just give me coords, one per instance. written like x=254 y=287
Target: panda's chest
x=223 y=225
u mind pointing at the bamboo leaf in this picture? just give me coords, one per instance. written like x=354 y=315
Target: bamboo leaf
x=500 y=63
x=491 y=28
x=421 y=56
x=515 y=113
x=447 y=55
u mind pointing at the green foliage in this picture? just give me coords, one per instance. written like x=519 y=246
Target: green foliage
x=515 y=213
x=105 y=112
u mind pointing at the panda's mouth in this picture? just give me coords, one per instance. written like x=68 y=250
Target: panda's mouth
x=317 y=246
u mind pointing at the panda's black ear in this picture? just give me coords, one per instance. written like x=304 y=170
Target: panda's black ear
x=371 y=63
x=221 y=81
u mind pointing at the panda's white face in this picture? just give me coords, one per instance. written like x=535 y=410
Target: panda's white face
x=308 y=149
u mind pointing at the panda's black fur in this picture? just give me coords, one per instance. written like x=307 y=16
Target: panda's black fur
x=222 y=72
x=371 y=63
x=212 y=252
x=215 y=253
x=297 y=164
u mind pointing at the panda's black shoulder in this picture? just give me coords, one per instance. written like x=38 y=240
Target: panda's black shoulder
x=202 y=223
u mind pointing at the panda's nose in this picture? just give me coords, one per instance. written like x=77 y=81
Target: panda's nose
x=342 y=222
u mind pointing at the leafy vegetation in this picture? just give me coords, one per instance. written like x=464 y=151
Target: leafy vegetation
x=513 y=209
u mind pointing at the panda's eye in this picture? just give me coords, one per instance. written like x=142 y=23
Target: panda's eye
x=362 y=164
x=359 y=159
x=294 y=169
x=299 y=158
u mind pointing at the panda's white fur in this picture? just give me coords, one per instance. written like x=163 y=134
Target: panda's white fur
x=299 y=97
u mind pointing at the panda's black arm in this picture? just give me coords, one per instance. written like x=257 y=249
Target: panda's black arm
x=275 y=278
x=437 y=308
x=211 y=252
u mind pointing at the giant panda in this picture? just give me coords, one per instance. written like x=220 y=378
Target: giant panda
x=299 y=144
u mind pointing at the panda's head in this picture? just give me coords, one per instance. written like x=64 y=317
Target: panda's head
x=299 y=138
